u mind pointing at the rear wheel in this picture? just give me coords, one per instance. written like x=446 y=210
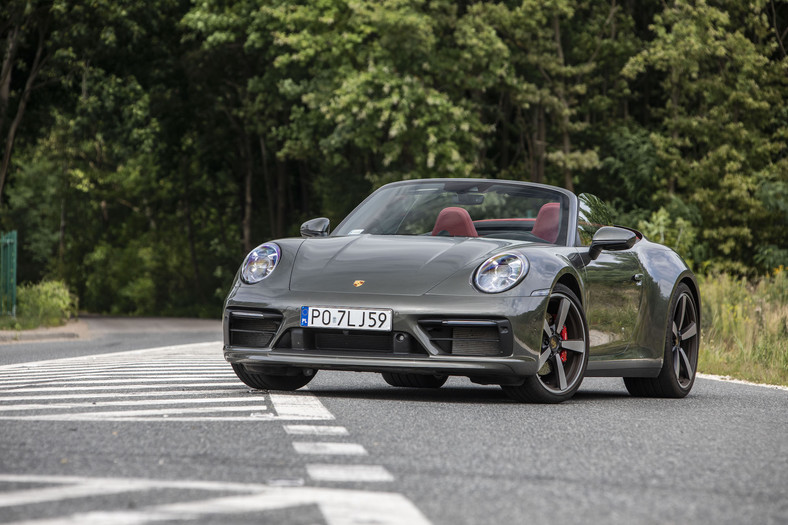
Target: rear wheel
x=680 y=363
x=414 y=380
x=564 y=357
x=293 y=380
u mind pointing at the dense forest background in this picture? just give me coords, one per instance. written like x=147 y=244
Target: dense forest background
x=147 y=145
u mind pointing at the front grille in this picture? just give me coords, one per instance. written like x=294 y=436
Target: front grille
x=470 y=337
x=363 y=342
x=349 y=341
x=253 y=329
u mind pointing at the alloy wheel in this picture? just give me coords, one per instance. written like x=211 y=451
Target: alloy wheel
x=684 y=340
x=561 y=363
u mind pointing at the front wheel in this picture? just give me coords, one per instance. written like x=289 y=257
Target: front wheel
x=295 y=380
x=682 y=341
x=564 y=356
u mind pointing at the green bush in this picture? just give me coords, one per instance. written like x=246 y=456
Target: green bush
x=47 y=303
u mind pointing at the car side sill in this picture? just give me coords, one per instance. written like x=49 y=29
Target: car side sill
x=624 y=368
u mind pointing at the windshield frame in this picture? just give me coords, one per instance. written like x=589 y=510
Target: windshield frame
x=568 y=228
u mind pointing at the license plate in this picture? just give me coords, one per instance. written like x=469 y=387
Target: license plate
x=346 y=318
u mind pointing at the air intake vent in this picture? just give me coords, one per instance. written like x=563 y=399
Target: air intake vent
x=470 y=337
x=253 y=329
x=475 y=340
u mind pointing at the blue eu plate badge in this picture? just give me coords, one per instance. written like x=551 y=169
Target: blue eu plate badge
x=304 y=316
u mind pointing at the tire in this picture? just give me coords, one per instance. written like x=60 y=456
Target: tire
x=563 y=362
x=680 y=361
x=272 y=381
x=414 y=380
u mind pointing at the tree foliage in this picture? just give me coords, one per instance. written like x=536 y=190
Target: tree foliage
x=146 y=146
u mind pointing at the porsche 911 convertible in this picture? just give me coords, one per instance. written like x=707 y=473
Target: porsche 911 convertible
x=521 y=285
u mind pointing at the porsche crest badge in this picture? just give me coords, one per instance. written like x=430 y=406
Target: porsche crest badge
x=358 y=283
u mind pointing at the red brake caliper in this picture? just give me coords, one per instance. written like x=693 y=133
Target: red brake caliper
x=563 y=338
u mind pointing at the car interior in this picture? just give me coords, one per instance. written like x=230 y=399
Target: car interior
x=457 y=222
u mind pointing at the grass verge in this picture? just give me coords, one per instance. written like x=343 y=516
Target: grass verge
x=745 y=327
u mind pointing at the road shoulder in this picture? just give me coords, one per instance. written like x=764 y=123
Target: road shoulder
x=73 y=329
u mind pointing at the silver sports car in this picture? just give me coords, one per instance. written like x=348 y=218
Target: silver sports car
x=522 y=285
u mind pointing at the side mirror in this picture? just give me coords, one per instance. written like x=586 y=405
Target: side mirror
x=316 y=227
x=611 y=238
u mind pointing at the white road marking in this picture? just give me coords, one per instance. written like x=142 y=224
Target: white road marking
x=338 y=506
x=299 y=405
x=93 y=367
x=119 y=359
x=115 y=387
x=728 y=379
x=332 y=449
x=251 y=418
x=137 y=384
x=349 y=473
x=135 y=403
x=135 y=380
x=148 y=483
x=125 y=377
x=315 y=430
x=111 y=395
x=200 y=370
x=83 y=489
x=100 y=369
x=86 y=362
x=122 y=415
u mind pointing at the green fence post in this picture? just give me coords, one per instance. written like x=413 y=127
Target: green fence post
x=8 y=273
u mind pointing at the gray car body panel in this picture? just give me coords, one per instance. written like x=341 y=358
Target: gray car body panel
x=626 y=295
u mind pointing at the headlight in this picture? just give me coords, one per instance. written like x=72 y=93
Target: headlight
x=500 y=272
x=260 y=263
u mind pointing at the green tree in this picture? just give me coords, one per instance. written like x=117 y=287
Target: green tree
x=27 y=49
x=377 y=88
x=722 y=126
x=159 y=141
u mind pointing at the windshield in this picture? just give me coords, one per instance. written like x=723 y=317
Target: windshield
x=462 y=209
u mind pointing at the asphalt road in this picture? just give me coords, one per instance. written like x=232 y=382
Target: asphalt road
x=98 y=335
x=92 y=431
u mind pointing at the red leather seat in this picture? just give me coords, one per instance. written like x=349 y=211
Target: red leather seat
x=456 y=222
x=548 y=222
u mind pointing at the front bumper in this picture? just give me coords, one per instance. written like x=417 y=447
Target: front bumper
x=415 y=347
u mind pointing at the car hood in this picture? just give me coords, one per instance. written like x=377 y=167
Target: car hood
x=387 y=264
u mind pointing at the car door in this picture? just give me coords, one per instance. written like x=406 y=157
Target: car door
x=613 y=284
